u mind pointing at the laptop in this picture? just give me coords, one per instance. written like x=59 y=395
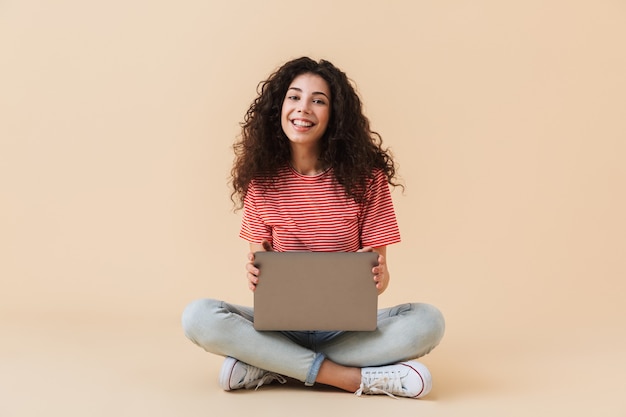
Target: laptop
x=311 y=291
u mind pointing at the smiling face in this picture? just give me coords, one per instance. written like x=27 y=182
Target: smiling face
x=306 y=110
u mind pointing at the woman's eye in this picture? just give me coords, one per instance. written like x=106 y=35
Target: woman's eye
x=318 y=101
x=293 y=97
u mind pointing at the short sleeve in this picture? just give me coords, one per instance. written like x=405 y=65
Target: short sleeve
x=379 y=224
x=253 y=228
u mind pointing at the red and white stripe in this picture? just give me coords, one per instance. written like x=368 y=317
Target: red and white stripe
x=312 y=213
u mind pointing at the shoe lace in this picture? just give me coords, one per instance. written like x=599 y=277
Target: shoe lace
x=264 y=377
x=388 y=382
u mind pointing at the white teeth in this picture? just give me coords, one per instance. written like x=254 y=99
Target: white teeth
x=302 y=123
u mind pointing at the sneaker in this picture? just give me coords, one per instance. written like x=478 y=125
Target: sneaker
x=236 y=375
x=405 y=379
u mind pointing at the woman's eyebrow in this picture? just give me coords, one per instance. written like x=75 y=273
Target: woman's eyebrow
x=314 y=92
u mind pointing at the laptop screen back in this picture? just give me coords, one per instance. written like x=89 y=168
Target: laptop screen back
x=315 y=291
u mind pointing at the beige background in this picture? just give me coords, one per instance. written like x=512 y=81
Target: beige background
x=507 y=119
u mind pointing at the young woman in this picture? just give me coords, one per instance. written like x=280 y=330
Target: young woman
x=310 y=175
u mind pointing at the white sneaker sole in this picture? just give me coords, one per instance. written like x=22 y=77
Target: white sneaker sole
x=226 y=372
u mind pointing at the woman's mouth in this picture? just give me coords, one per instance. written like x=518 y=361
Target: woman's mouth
x=301 y=123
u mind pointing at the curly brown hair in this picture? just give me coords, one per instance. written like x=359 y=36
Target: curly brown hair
x=348 y=146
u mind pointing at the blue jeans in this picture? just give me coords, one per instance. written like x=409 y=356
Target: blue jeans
x=404 y=332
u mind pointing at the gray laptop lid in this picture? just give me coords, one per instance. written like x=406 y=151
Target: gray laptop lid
x=315 y=291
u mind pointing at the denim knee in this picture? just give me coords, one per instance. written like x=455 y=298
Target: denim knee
x=195 y=315
x=432 y=324
x=422 y=326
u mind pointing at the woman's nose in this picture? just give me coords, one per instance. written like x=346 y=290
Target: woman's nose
x=304 y=106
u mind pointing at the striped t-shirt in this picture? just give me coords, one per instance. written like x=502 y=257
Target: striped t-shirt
x=313 y=213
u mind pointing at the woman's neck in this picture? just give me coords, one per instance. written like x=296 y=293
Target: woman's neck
x=306 y=163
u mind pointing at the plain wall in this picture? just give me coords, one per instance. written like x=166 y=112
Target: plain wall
x=507 y=120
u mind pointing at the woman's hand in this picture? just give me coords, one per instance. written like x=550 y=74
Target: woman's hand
x=252 y=271
x=381 y=274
